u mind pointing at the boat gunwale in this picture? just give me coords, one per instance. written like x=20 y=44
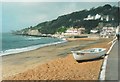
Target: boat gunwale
x=83 y=51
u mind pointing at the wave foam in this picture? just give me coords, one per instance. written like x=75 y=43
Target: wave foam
x=18 y=50
x=33 y=38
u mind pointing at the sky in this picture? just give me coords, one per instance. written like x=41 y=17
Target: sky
x=19 y=15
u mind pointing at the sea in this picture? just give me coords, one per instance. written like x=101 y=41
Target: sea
x=11 y=43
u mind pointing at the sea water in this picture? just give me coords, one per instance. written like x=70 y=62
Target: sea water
x=17 y=43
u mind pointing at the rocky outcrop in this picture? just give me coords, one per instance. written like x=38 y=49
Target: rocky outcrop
x=29 y=32
x=33 y=32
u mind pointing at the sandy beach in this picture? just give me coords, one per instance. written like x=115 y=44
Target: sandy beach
x=54 y=62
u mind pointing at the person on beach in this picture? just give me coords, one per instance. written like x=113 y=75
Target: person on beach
x=118 y=32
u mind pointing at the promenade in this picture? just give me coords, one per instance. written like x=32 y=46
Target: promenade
x=112 y=63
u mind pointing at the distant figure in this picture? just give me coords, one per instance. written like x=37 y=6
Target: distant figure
x=118 y=32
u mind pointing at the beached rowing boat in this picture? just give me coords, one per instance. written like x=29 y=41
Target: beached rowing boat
x=89 y=53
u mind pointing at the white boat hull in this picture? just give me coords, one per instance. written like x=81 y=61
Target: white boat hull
x=89 y=53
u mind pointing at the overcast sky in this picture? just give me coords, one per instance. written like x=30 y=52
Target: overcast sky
x=18 y=15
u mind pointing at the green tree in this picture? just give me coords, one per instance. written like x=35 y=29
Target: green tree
x=62 y=29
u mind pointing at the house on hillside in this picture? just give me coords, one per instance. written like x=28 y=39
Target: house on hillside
x=89 y=17
x=74 y=31
x=107 y=32
x=101 y=17
x=94 y=31
x=107 y=18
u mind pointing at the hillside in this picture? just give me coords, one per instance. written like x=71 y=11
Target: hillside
x=106 y=15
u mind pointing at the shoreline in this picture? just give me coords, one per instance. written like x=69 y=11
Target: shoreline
x=29 y=48
x=24 y=61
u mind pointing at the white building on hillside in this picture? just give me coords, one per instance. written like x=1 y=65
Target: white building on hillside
x=89 y=17
x=93 y=31
x=74 y=31
x=107 y=32
x=97 y=16
x=106 y=18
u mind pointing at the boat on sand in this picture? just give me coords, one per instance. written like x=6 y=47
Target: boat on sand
x=88 y=54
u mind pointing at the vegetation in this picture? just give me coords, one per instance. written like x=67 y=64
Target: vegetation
x=76 y=19
x=62 y=29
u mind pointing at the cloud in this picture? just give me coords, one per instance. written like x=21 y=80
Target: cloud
x=70 y=7
x=33 y=19
x=60 y=1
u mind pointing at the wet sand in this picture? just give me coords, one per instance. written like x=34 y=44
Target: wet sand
x=54 y=62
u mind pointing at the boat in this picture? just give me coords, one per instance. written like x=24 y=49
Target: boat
x=88 y=54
